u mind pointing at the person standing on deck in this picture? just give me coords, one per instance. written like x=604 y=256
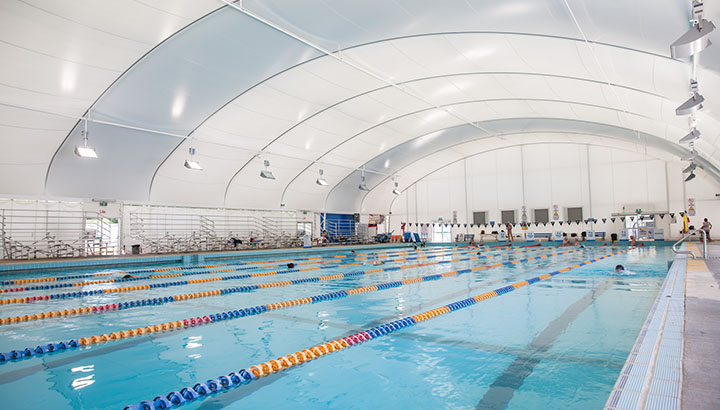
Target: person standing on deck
x=508 y=228
x=706 y=226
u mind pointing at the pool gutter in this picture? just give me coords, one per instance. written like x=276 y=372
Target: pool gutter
x=652 y=375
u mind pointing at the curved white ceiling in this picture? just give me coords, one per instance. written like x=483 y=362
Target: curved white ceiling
x=239 y=88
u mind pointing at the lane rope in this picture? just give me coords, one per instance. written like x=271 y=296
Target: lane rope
x=224 y=383
x=79 y=294
x=20 y=354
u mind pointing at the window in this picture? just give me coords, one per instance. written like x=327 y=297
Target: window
x=575 y=214
x=442 y=233
x=541 y=215
x=480 y=218
x=508 y=217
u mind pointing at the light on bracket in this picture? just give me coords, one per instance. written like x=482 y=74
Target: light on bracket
x=690 y=168
x=84 y=151
x=191 y=163
x=266 y=173
x=362 y=185
x=321 y=181
x=697 y=38
x=689 y=156
x=690 y=177
x=693 y=104
x=396 y=191
x=690 y=137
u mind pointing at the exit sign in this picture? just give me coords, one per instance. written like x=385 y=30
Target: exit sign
x=103 y=203
x=638 y=210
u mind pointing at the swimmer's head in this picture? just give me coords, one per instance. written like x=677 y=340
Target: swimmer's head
x=619 y=268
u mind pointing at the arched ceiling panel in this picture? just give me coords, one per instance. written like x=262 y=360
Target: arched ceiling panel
x=240 y=87
x=58 y=57
x=341 y=127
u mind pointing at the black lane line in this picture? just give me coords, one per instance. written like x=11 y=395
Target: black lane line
x=502 y=389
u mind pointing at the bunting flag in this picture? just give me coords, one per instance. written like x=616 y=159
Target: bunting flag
x=662 y=216
x=560 y=222
x=577 y=222
x=544 y=223
x=552 y=223
x=536 y=224
x=672 y=214
x=682 y=213
x=492 y=223
x=622 y=219
x=612 y=220
x=604 y=219
x=484 y=225
x=465 y=225
x=632 y=219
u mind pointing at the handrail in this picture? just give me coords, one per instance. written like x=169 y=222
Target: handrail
x=687 y=236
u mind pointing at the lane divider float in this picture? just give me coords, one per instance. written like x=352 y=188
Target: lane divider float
x=275 y=262
x=224 y=383
x=79 y=294
x=19 y=354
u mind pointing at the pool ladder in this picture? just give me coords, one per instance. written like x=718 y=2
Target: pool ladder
x=686 y=237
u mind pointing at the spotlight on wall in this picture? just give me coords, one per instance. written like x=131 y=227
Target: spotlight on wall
x=84 y=151
x=690 y=177
x=690 y=168
x=267 y=174
x=690 y=137
x=697 y=38
x=396 y=191
x=321 y=181
x=694 y=103
x=191 y=163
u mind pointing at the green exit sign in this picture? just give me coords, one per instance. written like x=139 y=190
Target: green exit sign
x=638 y=210
x=103 y=203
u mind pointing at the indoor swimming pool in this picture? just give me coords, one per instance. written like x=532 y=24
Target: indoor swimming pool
x=438 y=327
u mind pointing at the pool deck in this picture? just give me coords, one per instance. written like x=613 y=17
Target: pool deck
x=673 y=364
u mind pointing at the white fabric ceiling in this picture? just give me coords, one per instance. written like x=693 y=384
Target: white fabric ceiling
x=467 y=77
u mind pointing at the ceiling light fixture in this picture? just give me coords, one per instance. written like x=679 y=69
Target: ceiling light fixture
x=694 y=103
x=84 y=151
x=362 y=185
x=690 y=137
x=690 y=177
x=191 y=163
x=321 y=181
x=689 y=156
x=697 y=38
x=690 y=168
x=396 y=191
x=266 y=173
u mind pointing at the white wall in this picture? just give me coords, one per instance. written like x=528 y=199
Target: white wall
x=601 y=180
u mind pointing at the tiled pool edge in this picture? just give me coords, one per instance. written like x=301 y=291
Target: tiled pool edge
x=652 y=375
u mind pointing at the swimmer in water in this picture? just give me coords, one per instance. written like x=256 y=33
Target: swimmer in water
x=620 y=270
x=376 y=259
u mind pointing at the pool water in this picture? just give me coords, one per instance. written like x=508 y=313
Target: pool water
x=558 y=343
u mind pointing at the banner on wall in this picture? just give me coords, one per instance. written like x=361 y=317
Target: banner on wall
x=691 y=207
x=502 y=236
x=590 y=235
x=530 y=236
x=557 y=236
x=623 y=235
x=375 y=219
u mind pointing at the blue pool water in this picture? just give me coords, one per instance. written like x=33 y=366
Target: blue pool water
x=559 y=343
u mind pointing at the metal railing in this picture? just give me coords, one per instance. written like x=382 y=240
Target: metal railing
x=34 y=233
x=165 y=232
x=687 y=236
